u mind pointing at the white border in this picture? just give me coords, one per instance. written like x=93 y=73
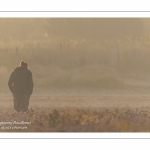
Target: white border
x=74 y=14
x=74 y=5
x=73 y=135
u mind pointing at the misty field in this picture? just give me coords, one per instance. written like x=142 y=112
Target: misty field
x=87 y=112
x=90 y=75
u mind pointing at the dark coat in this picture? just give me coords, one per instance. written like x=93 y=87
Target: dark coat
x=20 y=81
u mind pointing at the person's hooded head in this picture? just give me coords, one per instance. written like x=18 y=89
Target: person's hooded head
x=23 y=64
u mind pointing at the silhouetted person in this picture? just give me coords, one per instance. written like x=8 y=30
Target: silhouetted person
x=21 y=85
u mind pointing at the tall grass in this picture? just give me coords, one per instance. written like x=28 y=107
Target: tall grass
x=77 y=120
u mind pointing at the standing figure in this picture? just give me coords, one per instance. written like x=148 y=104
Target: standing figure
x=21 y=85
